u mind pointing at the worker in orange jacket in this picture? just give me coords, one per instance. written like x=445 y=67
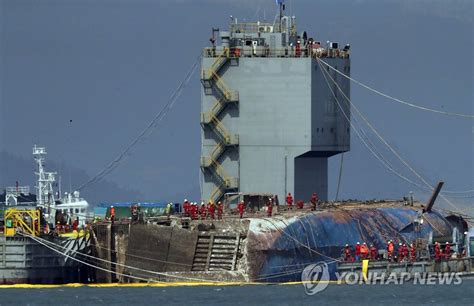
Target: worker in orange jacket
x=300 y=204
x=364 y=251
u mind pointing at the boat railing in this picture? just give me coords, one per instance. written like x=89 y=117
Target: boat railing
x=18 y=190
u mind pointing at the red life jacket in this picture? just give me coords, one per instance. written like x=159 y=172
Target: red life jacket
x=357 y=250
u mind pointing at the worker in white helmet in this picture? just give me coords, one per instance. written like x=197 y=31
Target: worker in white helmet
x=357 y=251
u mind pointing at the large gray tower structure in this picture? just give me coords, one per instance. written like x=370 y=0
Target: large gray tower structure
x=269 y=119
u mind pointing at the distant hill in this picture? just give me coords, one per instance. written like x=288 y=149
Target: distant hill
x=14 y=168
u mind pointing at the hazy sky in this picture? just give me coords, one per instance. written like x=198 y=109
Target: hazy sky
x=109 y=66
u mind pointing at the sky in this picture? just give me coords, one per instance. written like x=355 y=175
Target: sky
x=83 y=78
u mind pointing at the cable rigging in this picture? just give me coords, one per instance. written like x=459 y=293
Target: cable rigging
x=396 y=99
x=379 y=136
x=152 y=124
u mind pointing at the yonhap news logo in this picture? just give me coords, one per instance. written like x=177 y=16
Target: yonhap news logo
x=315 y=278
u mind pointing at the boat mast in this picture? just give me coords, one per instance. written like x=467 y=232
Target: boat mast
x=45 y=179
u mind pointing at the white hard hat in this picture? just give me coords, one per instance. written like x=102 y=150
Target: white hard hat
x=358 y=242
x=185 y=200
x=111 y=206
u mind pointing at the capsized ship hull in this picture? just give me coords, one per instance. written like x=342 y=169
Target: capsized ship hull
x=279 y=248
x=261 y=249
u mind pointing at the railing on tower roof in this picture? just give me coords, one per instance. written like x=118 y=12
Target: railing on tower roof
x=261 y=51
x=251 y=27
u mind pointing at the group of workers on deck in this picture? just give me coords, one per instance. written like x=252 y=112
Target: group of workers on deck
x=212 y=210
x=403 y=253
x=192 y=210
x=300 y=204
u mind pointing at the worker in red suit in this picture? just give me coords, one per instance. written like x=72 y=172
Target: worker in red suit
x=347 y=253
x=437 y=251
x=298 y=49
x=212 y=209
x=405 y=252
x=289 y=200
x=373 y=252
x=75 y=224
x=194 y=211
x=112 y=213
x=300 y=204
x=203 y=211
x=400 y=252
x=390 y=250
x=269 y=207
x=220 y=209
x=186 y=208
x=412 y=252
x=447 y=251
x=357 y=251
x=241 y=208
x=314 y=201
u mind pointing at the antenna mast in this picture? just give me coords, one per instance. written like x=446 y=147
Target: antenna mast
x=45 y=179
